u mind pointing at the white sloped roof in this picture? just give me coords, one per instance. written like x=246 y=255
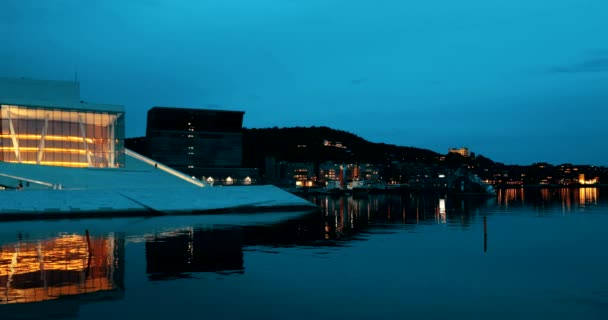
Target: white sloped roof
x=140 y=186
x=48 y=94
x=68 y=105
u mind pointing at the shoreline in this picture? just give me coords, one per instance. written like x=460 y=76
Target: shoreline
x=553 y=186
x=407 y=190
x=113 y=214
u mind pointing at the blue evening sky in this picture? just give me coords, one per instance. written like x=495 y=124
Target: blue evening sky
x=518 y=81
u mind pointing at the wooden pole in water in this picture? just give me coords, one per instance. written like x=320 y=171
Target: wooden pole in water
x=86 y=232
x=88 y=236
x=485 y=234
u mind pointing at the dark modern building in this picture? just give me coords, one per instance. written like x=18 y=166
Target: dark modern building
x=206 y=144
x=190 y=138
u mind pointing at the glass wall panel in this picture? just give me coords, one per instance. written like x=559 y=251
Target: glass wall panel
x=65 y=131
x=6 y=142
x=90 y=130
x=5 y=127
x=64 y=142
x=119 y=135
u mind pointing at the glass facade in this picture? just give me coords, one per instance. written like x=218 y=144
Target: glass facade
x=58 y=137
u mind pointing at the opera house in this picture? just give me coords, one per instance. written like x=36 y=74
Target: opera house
x=62 y=156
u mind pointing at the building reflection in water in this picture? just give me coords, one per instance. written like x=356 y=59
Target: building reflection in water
x=441 y=213
x=565 y=195
x=509 y=196
x=542 y=197
x=184 y=252
x=178 y=253
x=344 y=217
x=65 y=266
x=547 y=197
x=588 y=196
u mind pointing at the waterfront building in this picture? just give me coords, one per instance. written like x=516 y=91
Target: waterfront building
x=437 y=182
x=583 y=181
x=370 y=172
x=46 y=123
x=461 y=151
x=289 y=174
x=188 y=138
x=69 y=155
x=303 y=173
x=206 y=144
x=329 y=171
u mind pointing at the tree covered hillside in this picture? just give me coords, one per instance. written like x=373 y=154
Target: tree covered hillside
x=320 y=144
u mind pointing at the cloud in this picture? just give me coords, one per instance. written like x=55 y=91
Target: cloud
x=598 y=52
x=596 y=61
x=358 y=81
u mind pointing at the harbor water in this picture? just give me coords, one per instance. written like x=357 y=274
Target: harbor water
x=525 y=254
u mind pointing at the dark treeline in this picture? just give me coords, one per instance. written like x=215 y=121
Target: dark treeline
x=307 y=144
x=321 y=144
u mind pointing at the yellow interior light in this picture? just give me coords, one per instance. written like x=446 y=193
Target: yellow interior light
x=33 y=149
x=48 y=137
x=55 y=163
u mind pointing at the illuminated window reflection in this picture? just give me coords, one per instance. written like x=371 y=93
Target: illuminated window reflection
x=587 y=196
x=67 y=265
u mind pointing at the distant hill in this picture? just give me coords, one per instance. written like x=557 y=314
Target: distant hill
x=320 y=144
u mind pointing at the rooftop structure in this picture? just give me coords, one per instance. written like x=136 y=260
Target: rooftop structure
x=163 y=119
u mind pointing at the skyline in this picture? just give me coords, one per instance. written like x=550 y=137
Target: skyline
x=517 y=82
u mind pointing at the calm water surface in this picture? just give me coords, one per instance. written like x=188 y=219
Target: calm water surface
x=524 y=254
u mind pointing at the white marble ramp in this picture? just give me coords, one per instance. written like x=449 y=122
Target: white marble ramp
x=140 y=188
x=148 y=200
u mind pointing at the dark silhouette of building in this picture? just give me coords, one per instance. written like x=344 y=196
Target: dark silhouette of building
x=181 y=252
x=190 y=138
x=206 y=144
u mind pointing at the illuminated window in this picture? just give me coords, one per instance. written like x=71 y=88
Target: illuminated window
x=66 y=138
